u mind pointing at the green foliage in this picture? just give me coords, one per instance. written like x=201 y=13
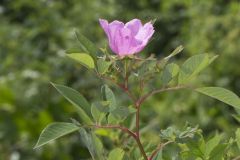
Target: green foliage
x=99 y=111
x=192 y=66
x=83 y=58
x=116 y=154
x=54 y=131
x=174 y=135
x=201 y=149
x=86 y=45
x=121 y=113
x=109 y=96
x=238 y=138
x=221 y=94
x=175 y=52
x=93 y=144
x=158 y=156
x=211 y=145
x=109 y=108
x=80 y=103
x=103 y=66
x=169 y=72
x=109 y=114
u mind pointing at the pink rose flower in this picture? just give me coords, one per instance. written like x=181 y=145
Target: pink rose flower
x=129 y=38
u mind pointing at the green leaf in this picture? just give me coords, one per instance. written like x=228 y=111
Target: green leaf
x=97 y=115
x=238 y=137
x=74 y=50
x=175 y=52
x=121 y=113
x=218 y=152
x=110 y=97
x=236 y=117
x=54 y=131
x=174 y=134
x=102 y=106
x=111 y=119
x=197 y=148
x=211 y=59
x=99 y=111
x=80 y=103
x=98 y=146
x=169 y=134
x=188 y=132
x=116 y=154
x=192 y=66
x=212 y=143
x=169 y=72
x=87 y=46
x=83 y=58
x=92 y=142
x=158 y=156
x=103 y=66
x=146 y=68
x=221 y=94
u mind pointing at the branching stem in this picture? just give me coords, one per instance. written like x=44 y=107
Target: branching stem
x=126 y=130
x=155 y=91
x=137 y=102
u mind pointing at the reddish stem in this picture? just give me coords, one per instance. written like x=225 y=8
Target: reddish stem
x=155 y=91
x=160 y=147
x=126 y=90
x=137 y=119
x=126 y=130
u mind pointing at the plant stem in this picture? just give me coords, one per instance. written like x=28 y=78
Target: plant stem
x=155 y=91
x=126 y=90
x=126 y=73
x=137 y=103
x=141 y=148
x=126 y=130
x=138 y=106
x=160 y=147
x=137 y=119
x=137 y=133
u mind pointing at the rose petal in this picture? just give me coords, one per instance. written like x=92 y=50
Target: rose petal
x=124 y=41
x=145 y=32
x=113 y=29
x=134 y=25
x=104 y=25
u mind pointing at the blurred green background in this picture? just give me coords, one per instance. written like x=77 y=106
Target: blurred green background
x=35 y=34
